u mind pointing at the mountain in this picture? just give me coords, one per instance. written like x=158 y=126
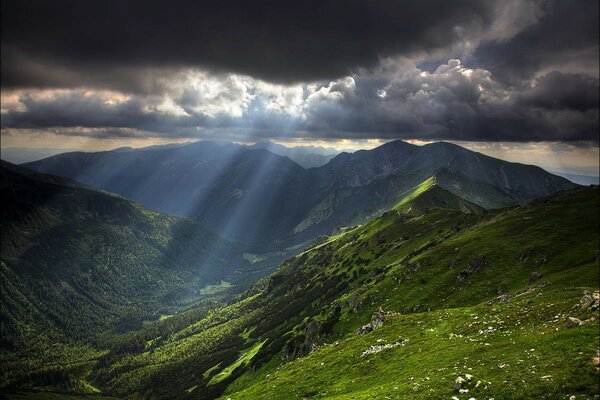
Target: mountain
x=268 y=202
x=76 y=261
x=433 y=297
x=579 y=178
x=305 y=156
x=19 y=155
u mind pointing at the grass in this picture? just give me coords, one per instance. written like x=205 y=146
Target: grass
x=244 y=358
x=212 y=289
x=439 y=273
x=517 y=349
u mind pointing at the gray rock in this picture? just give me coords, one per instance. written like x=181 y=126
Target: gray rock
x=474 y=265
x=524 y=255
x=572 y=322
x=376 y=322
x=535 y=276
x=504 y=297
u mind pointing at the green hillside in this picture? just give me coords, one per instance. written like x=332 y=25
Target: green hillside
x=429 y=304
x=76 y=262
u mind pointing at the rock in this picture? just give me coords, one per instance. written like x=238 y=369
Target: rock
x=535 y=276
x=474 y=265
x=378 y=319
x=380 y=347
x=524 y=255
x=364 y=329
x=573 y=322
x=413 y=267
x=588 y=302
x=376 y=322
x=305 y=343
x=504 y=297
x=458 y=382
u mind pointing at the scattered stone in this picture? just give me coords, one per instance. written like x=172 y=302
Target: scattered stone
x=504 y=297
x=458 y=382
x=573 y=322
x=588 y=302
x=534 y=277
x=380 y=347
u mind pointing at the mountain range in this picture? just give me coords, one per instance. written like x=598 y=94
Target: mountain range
x=399 y=272
x=305 y=156
x=266 y=201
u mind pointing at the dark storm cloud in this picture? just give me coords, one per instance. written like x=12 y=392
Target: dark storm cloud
x=313 y=70
x=564 y=37
x=453 y=102
x=558 y=91
x=98 y=43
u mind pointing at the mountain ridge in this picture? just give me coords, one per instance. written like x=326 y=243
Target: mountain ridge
x=275 y=200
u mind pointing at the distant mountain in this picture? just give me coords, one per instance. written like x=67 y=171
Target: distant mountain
x=580 y=179
x=20 y=155
x=305 y=156
x=268 y=201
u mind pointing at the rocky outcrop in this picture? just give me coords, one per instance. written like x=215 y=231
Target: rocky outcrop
x=588 y=302
x=305 y=343
x=535 y=276
x=474 y=265
x=376 y=322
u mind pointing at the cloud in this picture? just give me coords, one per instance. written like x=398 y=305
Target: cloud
x=453 y=102
x=564 y=37
x=511 y=70
x=562 y=91
x=128 y=45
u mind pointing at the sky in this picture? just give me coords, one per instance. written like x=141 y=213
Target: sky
x=511 y=78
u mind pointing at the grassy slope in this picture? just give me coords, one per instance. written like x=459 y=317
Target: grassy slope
x=518 y=349
x=408 y=264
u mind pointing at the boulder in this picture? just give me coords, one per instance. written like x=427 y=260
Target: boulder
x=376 y=322
x=524 y=255
x=474 y=265
x=535 y=276
x=573 y=322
